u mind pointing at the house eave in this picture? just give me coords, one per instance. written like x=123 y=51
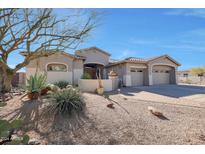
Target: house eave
x=126 y=61
x=167 y=56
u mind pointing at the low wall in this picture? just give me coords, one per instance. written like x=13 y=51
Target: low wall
x=90 y=85
x=53 y=77
x=191 y=80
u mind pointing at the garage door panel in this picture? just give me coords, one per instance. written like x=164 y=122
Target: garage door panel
x=161 y=75
x=161 y=78
x=137 y=77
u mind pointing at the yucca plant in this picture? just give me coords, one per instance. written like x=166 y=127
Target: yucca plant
x=62 y=84
x=67 y=101
x=35 y=84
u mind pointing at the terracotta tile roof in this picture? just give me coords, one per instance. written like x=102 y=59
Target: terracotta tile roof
x=135 y=59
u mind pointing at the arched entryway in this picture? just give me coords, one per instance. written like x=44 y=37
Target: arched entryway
x=92 y=69
x=163 y=74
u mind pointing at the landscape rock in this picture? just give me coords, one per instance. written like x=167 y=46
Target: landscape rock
x=34 y=142
x=155 y=111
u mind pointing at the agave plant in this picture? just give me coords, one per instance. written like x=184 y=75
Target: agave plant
x=35 y=84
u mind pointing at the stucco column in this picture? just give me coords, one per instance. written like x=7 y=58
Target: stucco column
x=146 y=76
x=173 y=79
x=150 y=75
x=114 y=81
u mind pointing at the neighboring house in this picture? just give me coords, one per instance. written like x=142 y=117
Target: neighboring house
x=131 y=71
x=184 y=73
x=187 y=73
x=186 y=76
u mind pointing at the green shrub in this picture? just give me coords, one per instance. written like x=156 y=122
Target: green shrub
x=67 y=101
x=62 y=84
x=36 y=83
x=86 y=76
x=7 y=129
x=53 y=87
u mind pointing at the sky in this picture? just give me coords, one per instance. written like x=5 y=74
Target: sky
x=147 y=33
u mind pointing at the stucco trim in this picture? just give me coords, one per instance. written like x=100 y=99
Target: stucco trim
x=94 y=63
x=138 y=67
x=125 y=61
x=96 y=48
x=155 y=64
x=165 y=56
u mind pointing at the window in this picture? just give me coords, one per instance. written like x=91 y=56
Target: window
x=132 y=69
x=155 y=71
x=166 y=71
x=56 y=68
x=185 y=75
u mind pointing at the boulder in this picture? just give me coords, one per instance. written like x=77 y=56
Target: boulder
x=155 y=111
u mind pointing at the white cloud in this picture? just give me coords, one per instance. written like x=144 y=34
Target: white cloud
x=125 y=53
x=187 y=12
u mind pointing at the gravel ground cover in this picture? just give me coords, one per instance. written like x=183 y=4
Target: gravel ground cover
x=129 y=122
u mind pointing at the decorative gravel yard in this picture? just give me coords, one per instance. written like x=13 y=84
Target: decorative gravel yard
x=129 y=122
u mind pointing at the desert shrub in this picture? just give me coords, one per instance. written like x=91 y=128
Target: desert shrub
x=62 y=84
x=36 y=83
x=53 y=87
x=86 y=76
x=7 y=130
x=67 y=101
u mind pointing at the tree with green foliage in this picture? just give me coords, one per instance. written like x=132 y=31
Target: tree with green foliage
x=198 y=71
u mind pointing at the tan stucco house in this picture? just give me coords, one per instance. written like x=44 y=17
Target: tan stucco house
x=131 y=71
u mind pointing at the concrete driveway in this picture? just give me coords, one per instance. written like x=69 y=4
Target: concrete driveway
x=183 y=108
x=175 y=94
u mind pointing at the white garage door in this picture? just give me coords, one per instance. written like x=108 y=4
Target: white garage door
x=161 y=77
x=136 y=76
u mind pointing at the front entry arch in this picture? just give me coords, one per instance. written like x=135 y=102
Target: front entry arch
x=92 y=69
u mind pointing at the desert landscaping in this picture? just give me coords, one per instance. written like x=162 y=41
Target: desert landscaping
x=128 y=122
